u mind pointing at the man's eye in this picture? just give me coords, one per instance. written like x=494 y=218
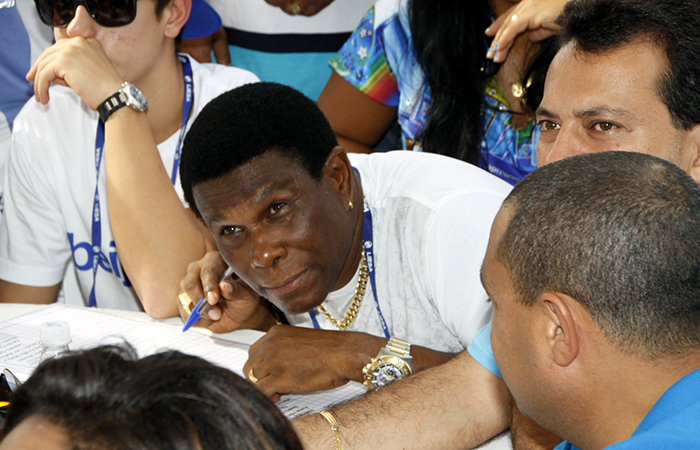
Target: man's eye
x=276 y=207
x=604 y=126
x=548 y=125
x=230 y=231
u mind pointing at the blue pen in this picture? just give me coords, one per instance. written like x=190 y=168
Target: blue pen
x=202 y=306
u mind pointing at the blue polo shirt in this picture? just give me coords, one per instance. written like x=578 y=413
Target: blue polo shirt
x=480 y=350
x=672 y=424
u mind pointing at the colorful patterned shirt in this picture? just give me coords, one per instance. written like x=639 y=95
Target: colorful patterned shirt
x=379 y=60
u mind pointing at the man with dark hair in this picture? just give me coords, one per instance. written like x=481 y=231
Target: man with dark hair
x=92 y=179
x=625 y=78
x=596 y=324
x=367 y=255
x=632 y=87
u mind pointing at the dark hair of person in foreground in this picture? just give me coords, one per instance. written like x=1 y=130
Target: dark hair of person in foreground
x=107 y=398
x=629 y=221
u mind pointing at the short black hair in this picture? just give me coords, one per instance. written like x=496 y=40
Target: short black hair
x=107 y=398
x=160 y=6
x=620 y=233
x=598 y=26
x=247 y=122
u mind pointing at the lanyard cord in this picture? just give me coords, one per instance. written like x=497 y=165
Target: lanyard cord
x=368 y=242
x=98 y=258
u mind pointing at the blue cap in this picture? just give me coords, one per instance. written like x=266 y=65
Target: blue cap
x=203 y=21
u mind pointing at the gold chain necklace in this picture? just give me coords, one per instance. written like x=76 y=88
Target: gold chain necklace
x=356 y=299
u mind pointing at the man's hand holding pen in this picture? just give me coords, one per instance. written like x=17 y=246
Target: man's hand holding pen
x=234 y=305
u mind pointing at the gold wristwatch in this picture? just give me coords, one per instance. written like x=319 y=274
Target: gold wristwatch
x=393 y=363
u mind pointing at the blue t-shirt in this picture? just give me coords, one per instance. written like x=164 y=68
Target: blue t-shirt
x=672 y=424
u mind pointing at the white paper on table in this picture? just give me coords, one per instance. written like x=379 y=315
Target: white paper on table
x=20 y=348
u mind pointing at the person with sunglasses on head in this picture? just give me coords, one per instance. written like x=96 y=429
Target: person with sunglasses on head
x=93 y=161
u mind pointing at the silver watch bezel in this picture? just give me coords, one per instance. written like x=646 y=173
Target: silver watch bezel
x=134 y=96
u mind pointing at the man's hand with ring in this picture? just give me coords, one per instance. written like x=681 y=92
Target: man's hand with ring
x=252 y=377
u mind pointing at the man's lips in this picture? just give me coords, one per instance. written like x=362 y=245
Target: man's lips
x=287 y=286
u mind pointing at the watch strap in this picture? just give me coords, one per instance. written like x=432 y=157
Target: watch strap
x=399 y=346
x=112 y=104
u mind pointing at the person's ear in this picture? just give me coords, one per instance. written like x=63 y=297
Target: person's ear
x=175 y=16
x=338 y=174
x=691 y=145
x=561 y=335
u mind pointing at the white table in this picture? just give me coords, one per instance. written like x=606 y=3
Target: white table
x=11 y=310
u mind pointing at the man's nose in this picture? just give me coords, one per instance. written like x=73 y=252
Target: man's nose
x=82 y=25
x=266 y=250
x=566 y=144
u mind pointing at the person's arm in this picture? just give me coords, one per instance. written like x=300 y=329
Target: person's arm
x=35 y=245
x=156 y=236
x=526 y=434
x=201 y=49
x=234 y=305
x=19 y=293
x=287 y=359
x=456 y=405
x=294 y=359
x=358 y=121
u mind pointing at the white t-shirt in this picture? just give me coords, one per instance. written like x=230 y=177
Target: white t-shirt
x=431 y=219
x=23 y=38
x=50 y=185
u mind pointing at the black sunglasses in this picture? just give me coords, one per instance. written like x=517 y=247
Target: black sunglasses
x=108 y=13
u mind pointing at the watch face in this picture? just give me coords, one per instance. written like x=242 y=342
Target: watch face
x=135 y=97
x=385 y=374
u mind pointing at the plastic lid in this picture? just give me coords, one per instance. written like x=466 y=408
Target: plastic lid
x=56 y=332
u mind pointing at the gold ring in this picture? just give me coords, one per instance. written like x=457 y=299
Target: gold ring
x=295 y=8
x=514 y=17
x=186 y=302
x=252 y=377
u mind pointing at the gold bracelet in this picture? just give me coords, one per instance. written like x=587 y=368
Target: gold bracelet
x=335 y=429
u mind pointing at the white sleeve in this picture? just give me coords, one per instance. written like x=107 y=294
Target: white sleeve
x=34 y=248
x=456 y=247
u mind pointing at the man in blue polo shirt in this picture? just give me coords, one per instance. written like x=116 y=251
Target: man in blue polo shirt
x=646 y=103
x=596 y=325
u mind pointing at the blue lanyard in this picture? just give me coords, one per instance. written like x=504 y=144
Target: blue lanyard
x=97 y=255
x=368 y=242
